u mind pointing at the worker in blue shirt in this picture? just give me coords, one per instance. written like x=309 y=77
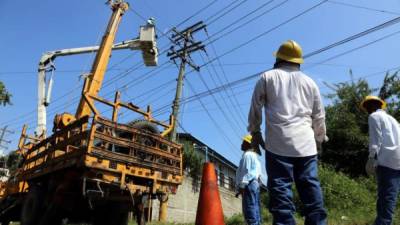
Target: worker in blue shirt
x=248 y=179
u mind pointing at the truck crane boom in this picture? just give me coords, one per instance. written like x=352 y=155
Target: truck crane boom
x=145 y=42
x=95 y=79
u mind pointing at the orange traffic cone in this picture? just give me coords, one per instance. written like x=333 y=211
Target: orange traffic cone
x=209 y=208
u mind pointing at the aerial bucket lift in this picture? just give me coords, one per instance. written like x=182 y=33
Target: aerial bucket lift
x=145 y=42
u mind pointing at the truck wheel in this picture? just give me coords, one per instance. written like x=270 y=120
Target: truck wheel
x=52 y=215
x=140 y=220
x=32 y=206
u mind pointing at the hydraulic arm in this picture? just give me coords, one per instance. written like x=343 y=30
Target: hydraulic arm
x=95 y=79
x=145 y=42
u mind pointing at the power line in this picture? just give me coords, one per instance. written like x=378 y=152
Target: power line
x=224 y=114
x=226 y=7
x=226 y=12
x=263 y=33
x=197 y=13
x=182 y=22
x=240 y=113
x=210 y=117
x=245 y=22
x=355 y=49
x=356 y=36
x=363 y=7
x=233 y=115
x=266 y=32
x=238 y=91
x=370 y=75
x=165 y=48
x=239 y=109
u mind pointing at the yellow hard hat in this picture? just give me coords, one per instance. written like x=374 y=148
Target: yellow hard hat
x=290 y=51
x=247 y=138
x=372 y=98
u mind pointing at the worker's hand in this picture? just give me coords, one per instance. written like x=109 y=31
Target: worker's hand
x=257 y=140
x=240 y=192
x=370 y=167
x=319 y=145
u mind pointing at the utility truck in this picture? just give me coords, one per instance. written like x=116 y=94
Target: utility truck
x=93 y=169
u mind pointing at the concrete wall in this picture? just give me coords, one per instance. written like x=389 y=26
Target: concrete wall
x=182 y=207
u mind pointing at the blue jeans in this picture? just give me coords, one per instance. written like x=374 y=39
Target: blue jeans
x=251 y=203
x=303 y=171
x=388 y=189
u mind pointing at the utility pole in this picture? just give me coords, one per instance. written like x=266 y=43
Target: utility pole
x=3 y=131
x=183 y=39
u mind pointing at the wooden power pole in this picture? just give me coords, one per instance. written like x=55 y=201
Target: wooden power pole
x=185 y=42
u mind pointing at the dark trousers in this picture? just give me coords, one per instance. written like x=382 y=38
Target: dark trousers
x=388 y=189
x=303 y=171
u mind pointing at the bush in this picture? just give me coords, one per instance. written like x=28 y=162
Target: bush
x=348 y=201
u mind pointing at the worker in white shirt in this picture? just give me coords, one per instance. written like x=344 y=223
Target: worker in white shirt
x=384 y=156
x=248 y=179
x=295 y=121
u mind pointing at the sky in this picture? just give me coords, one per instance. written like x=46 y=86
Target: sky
x=240 y=37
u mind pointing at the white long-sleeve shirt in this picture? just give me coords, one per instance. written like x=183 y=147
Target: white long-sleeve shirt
x=384 y=139
x=248 y=170
x=295 y=115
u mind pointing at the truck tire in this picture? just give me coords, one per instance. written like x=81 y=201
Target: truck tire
x=145 y=125
x=51 y=216
x=139 y=217
x=32 y=206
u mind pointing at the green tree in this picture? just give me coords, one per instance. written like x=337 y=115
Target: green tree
x=13 y=161
x=347 y=124
x=192 y=161
x=5 y=96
